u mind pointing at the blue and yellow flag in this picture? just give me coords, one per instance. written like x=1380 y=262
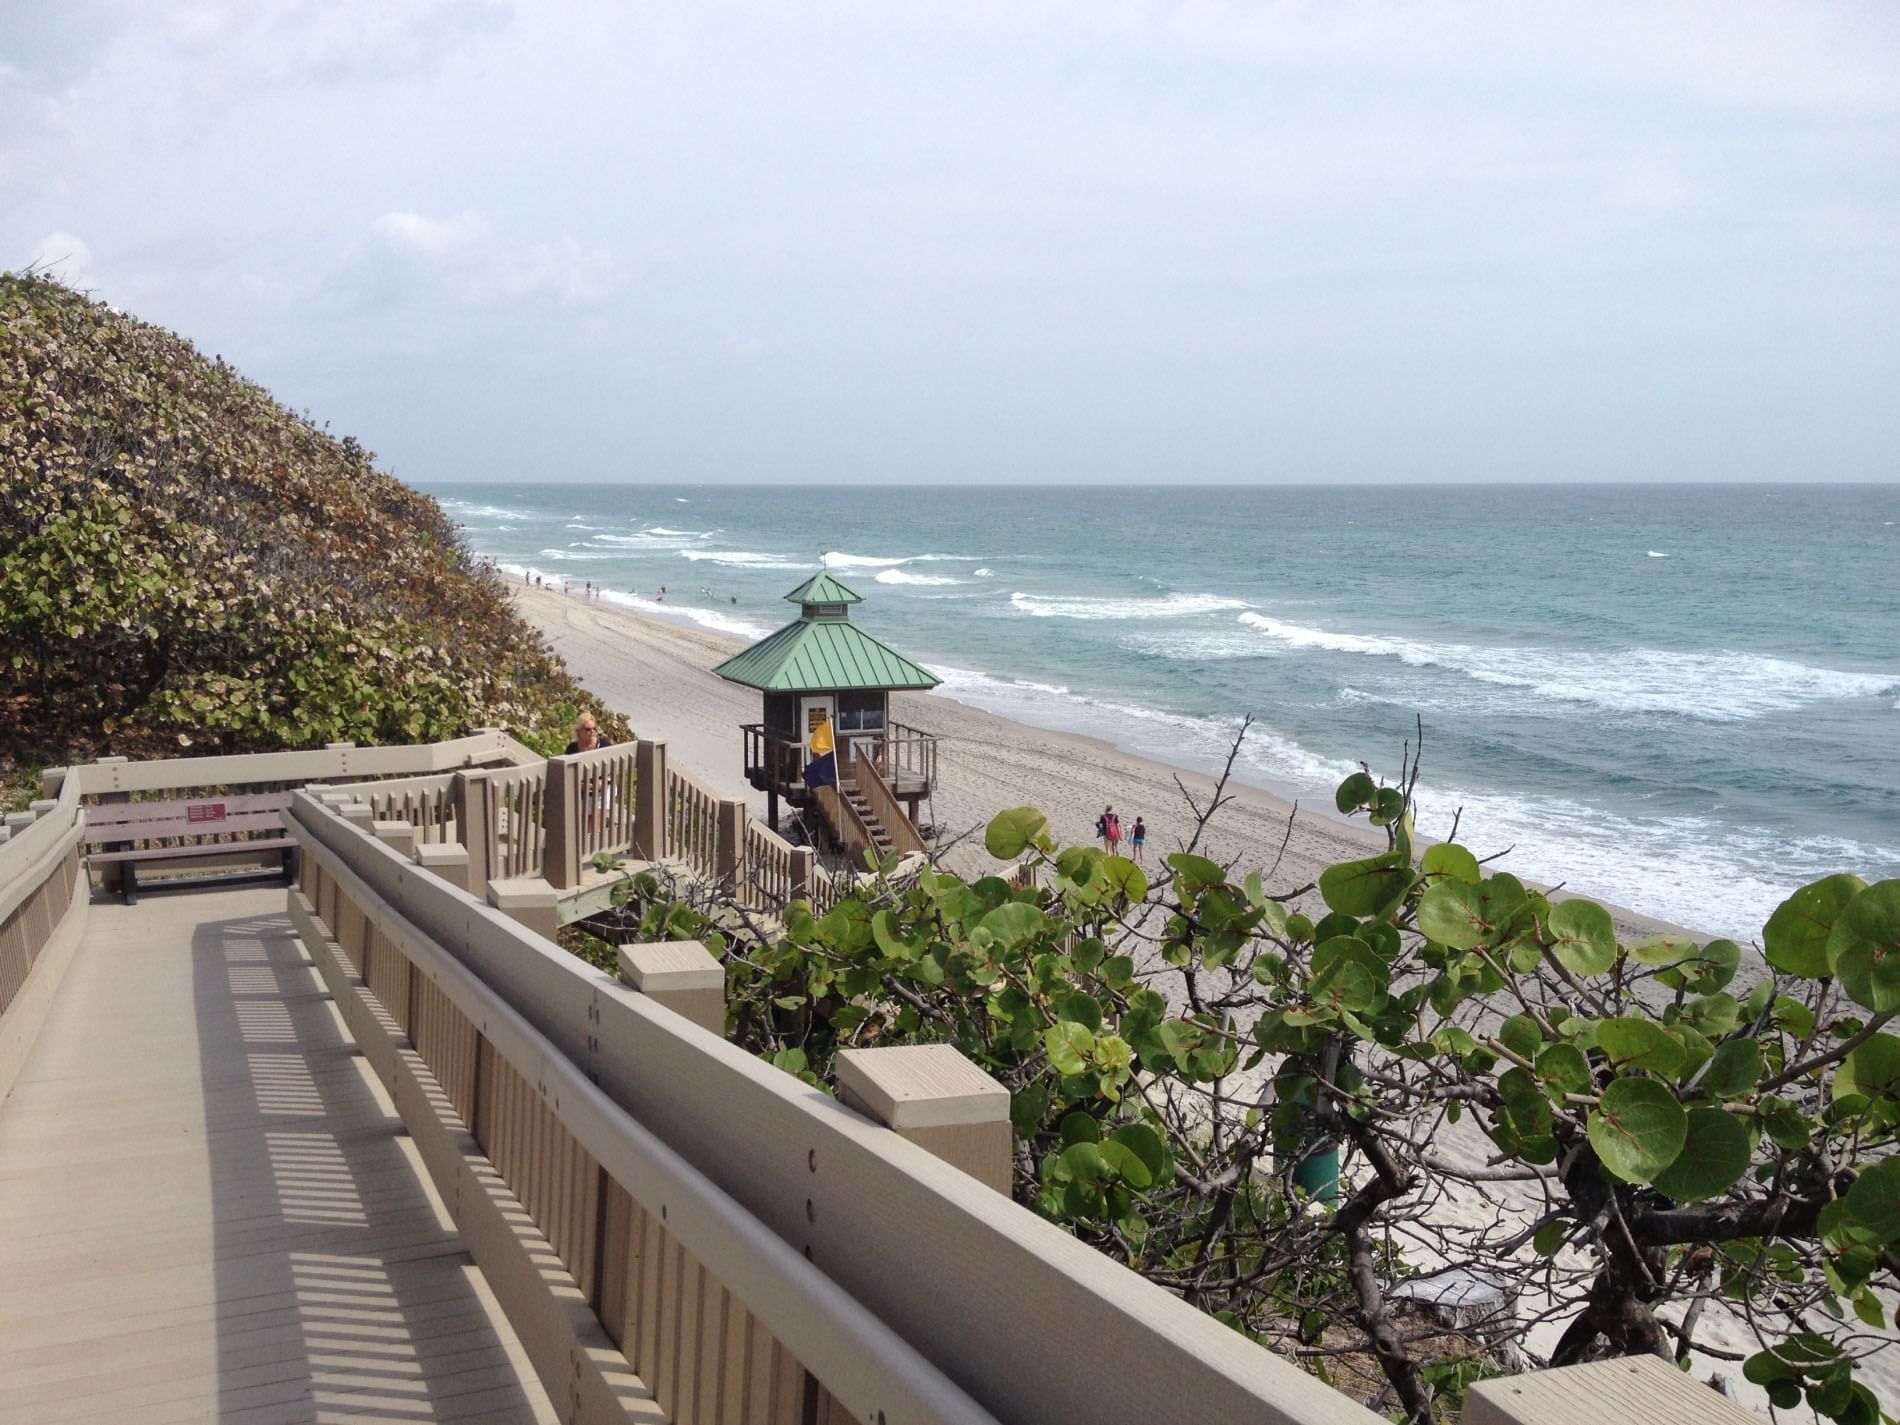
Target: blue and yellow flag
x=822 y=770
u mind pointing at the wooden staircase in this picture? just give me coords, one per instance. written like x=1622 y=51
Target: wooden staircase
x=880 y=834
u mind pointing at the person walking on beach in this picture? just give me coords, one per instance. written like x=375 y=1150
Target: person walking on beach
x=1114 y=834
x=1139 y=841
x=1101 y=826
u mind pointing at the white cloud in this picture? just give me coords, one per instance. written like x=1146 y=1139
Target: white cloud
x=463 y=257
x=67 y=257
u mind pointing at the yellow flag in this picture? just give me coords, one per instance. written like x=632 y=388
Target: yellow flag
x=821 y=738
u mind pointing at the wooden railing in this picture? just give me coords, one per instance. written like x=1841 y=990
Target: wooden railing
x=910 y=752
x=782 y=759
x=768 y=877
x=516 y=825
x=904 y=837
x=847 y=827
x=720 y=1229
x=692 y=822
x=43 y=901
x=605 y=782
x=903 y=752
x=426 y=803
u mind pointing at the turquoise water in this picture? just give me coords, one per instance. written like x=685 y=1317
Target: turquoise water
x=1682 y=699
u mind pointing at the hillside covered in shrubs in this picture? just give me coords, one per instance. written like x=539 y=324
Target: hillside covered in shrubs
x=186 y=567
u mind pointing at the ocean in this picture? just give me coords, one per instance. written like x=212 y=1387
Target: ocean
x=1682 y=699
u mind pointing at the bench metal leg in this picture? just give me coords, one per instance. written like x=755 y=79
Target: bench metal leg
x=129 y=881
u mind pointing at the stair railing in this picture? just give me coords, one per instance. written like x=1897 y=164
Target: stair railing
x=903 y=835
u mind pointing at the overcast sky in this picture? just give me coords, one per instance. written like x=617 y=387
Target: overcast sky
x=976 y=242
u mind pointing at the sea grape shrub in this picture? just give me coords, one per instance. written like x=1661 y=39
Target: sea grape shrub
x=184 y=563
x=1683 y=1129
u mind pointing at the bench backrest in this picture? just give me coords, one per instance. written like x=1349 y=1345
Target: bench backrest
x=143 y=821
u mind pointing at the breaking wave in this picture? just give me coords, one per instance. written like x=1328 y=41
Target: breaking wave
x=1722 y=686
x=1168 y=606
x=899 y=576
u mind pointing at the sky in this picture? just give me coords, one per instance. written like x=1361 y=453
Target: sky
x=1012 y=242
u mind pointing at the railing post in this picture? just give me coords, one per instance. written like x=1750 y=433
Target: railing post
x=399 y=834
x=804 y=868
x=447 y=859
x=683 y=976
x=41 y=808
x=19 y=821
x=360 y=815
x=649 y=808
x=561 y=806
x=529 y=900
x=469 y=794
x=729 y=843
x=1631 y=1390
x=939 y=1100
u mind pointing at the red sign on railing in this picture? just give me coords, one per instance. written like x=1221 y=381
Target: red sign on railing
x=205 y=811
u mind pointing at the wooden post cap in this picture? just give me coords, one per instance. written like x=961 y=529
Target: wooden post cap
x=20 y=820
x=529 y=900
x=1631 y=1390
x=671 y=965
x=336 y=799
x=683 y=976
x=936 y=1098
x=358 y=814
x=399 y=834
x=40 y=808
x=447 y=859
x=920 y=1086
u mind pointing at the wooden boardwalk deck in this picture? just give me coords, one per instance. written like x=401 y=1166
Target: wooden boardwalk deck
x=210 y=1212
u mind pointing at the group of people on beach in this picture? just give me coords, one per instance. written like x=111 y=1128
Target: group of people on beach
x=1108 y=830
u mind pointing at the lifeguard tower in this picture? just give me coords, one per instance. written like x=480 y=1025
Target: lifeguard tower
x=821 y=668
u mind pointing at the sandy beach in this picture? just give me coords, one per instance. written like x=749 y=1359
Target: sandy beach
x=657 y=672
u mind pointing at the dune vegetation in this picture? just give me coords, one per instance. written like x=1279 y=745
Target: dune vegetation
x=189 y=567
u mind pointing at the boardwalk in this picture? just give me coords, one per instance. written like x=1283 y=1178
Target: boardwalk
x=209 y=1212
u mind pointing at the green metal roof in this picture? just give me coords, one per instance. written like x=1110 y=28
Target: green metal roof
x=822 y=588
x=823 y=655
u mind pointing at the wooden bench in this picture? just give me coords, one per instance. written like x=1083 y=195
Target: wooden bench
x=115 y=826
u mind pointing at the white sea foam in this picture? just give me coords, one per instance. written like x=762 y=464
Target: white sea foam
x=661 y=529
x=1657 y=554
x=1175 y=605
x=577 y=554
x=1182 y=739
x=488 y=512
x=986 y=573
x=1717 y=687
x=742 y=559
x=706 y=618
x=838 y=559
x=899 y=576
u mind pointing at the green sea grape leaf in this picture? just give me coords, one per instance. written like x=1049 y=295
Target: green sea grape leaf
x=1124 y=877
x=1638 y=1129
x=1633 y=1043
x=1583 y=937
x=1356 y=791
x=1864 y=947
x=1369 y=887
x=1662 y=949
x=1872 y=1071
x=1014 y=923
x=1146 y=1145
x=1452 y=861
x=1564 y=1068
x=1734 y=1071
x=1196 y=871
x=1550 y=1237
x=1452 y=914
x=1714 y=1156
x=1010 y=832
x=1873 y=1202
x=1704 y=969
x=1795 y=938
x=1521 y=1036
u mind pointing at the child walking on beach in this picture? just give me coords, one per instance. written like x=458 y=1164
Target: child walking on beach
x=1139 y=840
x=1114 y=832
